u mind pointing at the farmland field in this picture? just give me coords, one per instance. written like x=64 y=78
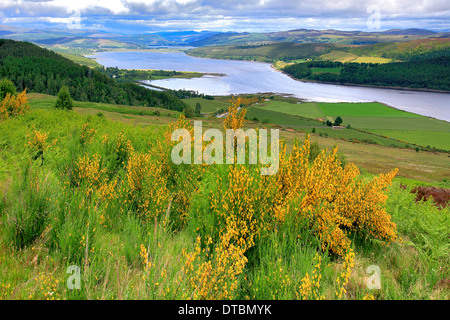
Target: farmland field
x=306 y=109
x=208 y=106
x=369 y=109
x=438 y=139
x=274 y=117
x=381 y=124
x=393 y=123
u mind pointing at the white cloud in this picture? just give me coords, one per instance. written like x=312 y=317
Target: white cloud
x=235 y=14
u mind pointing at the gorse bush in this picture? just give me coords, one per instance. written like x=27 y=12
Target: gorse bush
x=13 y=105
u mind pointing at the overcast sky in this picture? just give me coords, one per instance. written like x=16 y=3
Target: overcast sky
x=136 y=16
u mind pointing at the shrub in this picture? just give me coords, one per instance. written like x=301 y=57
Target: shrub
x=6 y=87
x=13 y=105
x=64 y=101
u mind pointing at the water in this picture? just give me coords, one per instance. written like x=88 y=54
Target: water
x=228 y=77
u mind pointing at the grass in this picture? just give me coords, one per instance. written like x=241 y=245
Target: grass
x=208 y=106
x=438 y=139
x=263 y=114
x=369 y=109
x=80 y=59
x=341 y=56
x=393 y=123
x=306 y=109
x=45 y=101
x=371 y=152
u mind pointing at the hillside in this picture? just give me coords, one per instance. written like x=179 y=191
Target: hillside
x=43 y=71
x=104 y=195
x=318 y=36
x=99 y=40
x=419 y=73
x=264 y=52
x=377 y=53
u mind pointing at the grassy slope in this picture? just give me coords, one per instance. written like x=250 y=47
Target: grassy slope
x=271 y=52
x=208 y=106
x=414 y=269
x=423 y=166
x=390 y=122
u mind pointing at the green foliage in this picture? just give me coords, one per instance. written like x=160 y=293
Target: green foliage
x=425 y=226
x=6 y=86
x=433 y=73
x=338 y=121
x=314 y=151
x=264 y=52
x=44 y=213
x=189 y=112
x=30 y=208
x=198 y=109
x=64 y=101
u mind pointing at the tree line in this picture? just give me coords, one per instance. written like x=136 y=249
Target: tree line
x=43 y=71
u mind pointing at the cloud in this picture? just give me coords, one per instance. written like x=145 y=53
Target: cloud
x=251 y=15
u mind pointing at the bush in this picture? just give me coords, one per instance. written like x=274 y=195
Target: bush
x=64 y=101
x=6 y=86
x=188 y=112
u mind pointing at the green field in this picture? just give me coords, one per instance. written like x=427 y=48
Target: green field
x=368 y=109
x=265 y=115
x=208 y=106
x=45 y=101
x=384 y=125
x=80 y=59
x=438 y=139
x=397 y=123
x=306 y=109
x=393 y=123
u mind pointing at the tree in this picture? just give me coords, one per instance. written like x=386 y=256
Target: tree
x=64 y=101
x=329 y=123
x=314 y=151
x=338 y=121
x=188 y=112
x=198 y=109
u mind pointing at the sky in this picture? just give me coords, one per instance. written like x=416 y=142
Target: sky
x=147 y=16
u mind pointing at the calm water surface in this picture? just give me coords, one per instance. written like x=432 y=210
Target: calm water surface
x=236 y=77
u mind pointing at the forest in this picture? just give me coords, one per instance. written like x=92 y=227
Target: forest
x=428 y=73
x=42 y=71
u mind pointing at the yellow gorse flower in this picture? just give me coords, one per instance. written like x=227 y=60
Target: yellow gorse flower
x=13 y=105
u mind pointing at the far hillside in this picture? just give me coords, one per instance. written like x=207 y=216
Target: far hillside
x=264 y=52
x=382 y=52
x=430 y=74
